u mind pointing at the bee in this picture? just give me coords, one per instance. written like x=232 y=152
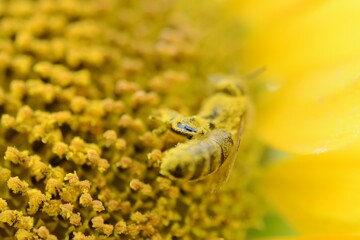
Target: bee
x=213 y=136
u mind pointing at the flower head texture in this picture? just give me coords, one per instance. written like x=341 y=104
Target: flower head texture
x=81 y=141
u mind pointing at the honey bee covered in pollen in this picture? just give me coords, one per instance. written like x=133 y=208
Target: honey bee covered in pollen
x=214 y=135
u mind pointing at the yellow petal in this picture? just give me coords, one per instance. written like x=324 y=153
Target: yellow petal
x=317 y=194
x=312 y=58
x=313 y=116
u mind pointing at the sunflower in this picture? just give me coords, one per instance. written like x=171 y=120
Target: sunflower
x=80 y=155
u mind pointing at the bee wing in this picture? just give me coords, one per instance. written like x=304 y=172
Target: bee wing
x=221 y=176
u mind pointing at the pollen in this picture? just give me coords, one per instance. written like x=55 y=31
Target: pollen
x=17 y=186
x=79 y=81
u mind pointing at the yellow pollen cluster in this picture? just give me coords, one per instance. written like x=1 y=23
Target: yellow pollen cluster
x=79 y=159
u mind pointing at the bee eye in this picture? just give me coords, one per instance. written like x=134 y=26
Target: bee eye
x=187 y=128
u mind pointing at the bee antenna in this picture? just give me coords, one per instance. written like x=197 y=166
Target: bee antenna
x=255 y=74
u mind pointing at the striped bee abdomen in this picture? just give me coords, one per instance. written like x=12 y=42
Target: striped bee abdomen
x=199 y=157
